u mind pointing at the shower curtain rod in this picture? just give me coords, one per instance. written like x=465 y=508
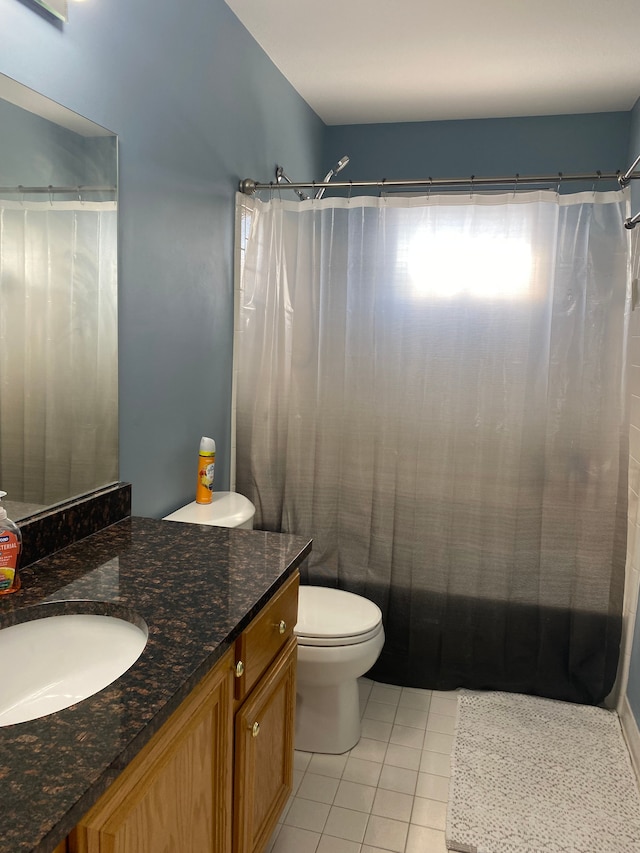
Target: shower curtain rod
x=51 y=190
x=249 y=186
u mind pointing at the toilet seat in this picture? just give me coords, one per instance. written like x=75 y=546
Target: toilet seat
x=333 y=617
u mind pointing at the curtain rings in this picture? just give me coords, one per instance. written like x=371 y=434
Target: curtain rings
x=596 y=183
x=21 y=191
x=515 y=184
x=429 y=190
x=350 y=190
x=50 y=188
x=559 y=182
x=471 y=179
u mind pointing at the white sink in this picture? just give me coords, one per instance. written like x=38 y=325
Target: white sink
x=51 y=663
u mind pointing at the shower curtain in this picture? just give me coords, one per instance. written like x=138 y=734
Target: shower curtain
x=58 y=349
x=433 y=389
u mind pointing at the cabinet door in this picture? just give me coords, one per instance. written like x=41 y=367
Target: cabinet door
x=264 y=753
x=176 y=795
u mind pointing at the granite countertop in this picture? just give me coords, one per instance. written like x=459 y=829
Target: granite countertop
x=196 y=587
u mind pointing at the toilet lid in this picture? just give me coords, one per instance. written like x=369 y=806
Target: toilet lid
x=327 y=616
x=227 y=509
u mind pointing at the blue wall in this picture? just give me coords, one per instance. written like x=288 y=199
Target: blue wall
x=482 y=147
x=197 y=105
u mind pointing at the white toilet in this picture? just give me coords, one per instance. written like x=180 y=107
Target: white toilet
x=227 y=509
x=340 y=637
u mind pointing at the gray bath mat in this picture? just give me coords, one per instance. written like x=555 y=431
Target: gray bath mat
x=532 y=775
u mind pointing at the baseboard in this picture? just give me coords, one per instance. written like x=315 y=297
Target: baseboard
x=631 y=734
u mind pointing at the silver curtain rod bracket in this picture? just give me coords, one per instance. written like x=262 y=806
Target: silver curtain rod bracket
x=623 y=180
x=247 y=186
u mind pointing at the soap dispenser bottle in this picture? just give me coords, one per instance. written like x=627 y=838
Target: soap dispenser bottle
x=10 y=547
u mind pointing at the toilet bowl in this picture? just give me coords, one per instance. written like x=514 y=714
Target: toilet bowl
x=340 y=637
x=227 y=509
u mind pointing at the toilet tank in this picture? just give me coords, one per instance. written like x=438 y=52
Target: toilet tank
x=228 y=509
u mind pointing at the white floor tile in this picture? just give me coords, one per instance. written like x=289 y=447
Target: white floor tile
x=379 y=711
x=297 y=778
x=422 y=839
x=393 y=804
x=369 y=750
x=367 y=849
x=353 y=795
x=389 y=793
x=376 y=729
x=417 y=699
x=441 y=723
x=435 y=762
x=305 y=814
x=429 y=813
x=436 y=742
x=407 y=736
x=328 y=765
x=414 y=717
x=293 y=840
x=329 y=844
x=386 y=833
x=444 y=705
x=385 y=693
x=321 y=789
x=301 y=760
x=403 y=756
x=433 y=787
x=346 y=823
x=365 y=772
x=398 y=779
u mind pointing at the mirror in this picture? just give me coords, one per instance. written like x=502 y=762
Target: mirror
x=58 y=302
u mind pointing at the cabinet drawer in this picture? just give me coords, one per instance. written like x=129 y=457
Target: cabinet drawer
x=261 y=641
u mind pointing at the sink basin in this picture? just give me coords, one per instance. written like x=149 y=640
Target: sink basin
x=51 y=663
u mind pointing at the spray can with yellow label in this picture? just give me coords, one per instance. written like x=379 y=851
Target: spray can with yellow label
x=206 y=467
x=10 y=547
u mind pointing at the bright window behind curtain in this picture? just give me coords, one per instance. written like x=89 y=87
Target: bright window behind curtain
x=433 y=390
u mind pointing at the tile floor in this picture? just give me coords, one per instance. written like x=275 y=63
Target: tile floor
x=389 y=793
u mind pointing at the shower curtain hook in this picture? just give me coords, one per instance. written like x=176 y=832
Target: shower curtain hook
x=350 y=189
x=429 y=190
x=50 y=188
x=597 y=181
x=559 y=182
x=471 y=190
x=381 y=188
x=515 y=186
x=21 y=191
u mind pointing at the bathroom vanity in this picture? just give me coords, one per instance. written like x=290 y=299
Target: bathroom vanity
x=195 y=741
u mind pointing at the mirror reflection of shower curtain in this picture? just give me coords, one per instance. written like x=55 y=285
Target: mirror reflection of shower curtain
x=58 y=349
x=434 y=391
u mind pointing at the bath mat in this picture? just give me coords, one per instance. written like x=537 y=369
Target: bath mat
x=533 y=775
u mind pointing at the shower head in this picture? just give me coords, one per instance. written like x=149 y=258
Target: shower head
x=281 y=176
x=342 y=162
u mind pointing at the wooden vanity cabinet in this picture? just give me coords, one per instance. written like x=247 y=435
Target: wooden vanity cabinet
x=217 y=775
x=176 y=794
x=266 y=655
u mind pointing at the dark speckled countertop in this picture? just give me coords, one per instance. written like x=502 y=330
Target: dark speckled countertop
x=196 y=588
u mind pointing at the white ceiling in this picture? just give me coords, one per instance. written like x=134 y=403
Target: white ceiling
x=363 y=61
